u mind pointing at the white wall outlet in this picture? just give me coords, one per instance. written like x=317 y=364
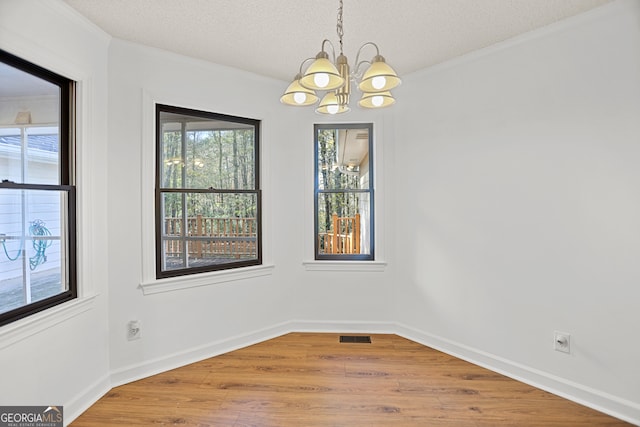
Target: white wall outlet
x=133 y=330
x=562 y=342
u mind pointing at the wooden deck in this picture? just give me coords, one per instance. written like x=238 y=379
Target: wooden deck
x=211 y=238
x=310 y=379
x=343 y=237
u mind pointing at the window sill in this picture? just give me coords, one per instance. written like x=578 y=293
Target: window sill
x=31 y=325
x=368 y=266
x=157 y=286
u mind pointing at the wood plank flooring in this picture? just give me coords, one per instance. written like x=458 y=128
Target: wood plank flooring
x=310 y=379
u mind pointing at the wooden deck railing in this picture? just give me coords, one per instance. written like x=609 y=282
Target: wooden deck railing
x=344 y=237
x=211 y=237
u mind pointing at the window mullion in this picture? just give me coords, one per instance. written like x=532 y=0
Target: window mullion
x=183 y=180
x=24 y=209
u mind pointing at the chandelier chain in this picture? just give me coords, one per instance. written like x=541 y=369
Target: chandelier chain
x=339 y=28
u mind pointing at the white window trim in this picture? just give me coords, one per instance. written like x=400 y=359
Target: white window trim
x=203 y=279
x=379 y=264
x=149 y=283
x=35 y=323
x=347 y=265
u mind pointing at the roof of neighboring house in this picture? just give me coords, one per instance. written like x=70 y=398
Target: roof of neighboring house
x=39 y=142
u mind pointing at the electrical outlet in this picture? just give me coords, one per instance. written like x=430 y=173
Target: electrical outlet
x=562 y=342
x=133 y=330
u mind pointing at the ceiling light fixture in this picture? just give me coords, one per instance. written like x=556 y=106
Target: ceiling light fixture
x=335 y=78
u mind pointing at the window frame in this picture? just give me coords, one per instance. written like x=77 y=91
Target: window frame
x=317 y=191
x=159 y=191
x=66 y=176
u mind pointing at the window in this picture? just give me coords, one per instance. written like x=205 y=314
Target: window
x=37 y=195
x=344 y=192
x=207 y=192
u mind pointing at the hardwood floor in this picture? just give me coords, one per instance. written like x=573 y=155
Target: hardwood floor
x=310 y=379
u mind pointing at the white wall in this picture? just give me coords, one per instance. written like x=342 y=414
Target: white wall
x=60 y=356
x=519 y=192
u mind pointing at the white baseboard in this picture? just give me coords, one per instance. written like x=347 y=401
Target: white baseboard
x=196 y=354
x=84 y=400
x=598 y=400
x=587 y=396
x=345 y=327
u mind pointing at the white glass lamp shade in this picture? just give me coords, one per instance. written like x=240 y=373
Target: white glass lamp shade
x=330 y=105
x=298 y=95
x=379 y=77
x=376 y=100
x=322 y=75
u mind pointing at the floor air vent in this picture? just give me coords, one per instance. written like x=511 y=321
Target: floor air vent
x=357 y=339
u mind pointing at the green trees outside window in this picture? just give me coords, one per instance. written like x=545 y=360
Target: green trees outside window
x=207 y=192
x=344 y=192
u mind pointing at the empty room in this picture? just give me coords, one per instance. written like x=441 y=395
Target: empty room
x=320 y=213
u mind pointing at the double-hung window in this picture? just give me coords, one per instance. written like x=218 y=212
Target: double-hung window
x=37 y=193
x=344 y=192
x=207 y=192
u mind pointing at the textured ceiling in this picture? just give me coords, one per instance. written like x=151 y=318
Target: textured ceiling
x=272 y=37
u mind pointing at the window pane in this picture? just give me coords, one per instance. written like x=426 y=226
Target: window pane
x=220 y=229
x=343 y=158
x=222 y=159
x=34 y=256
x=204 y=153
x=29 y=153
x=343 y=223
x=42 y=155
x=11 y=148
x=171 y=162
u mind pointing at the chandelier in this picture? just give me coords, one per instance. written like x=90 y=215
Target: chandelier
x=335 y=79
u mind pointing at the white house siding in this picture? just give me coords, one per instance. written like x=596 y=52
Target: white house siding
x=42 y=168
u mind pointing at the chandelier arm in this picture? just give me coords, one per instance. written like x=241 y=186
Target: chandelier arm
x=357 y=72
x=333 y=49
x=304 y=62
x=363 y=46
